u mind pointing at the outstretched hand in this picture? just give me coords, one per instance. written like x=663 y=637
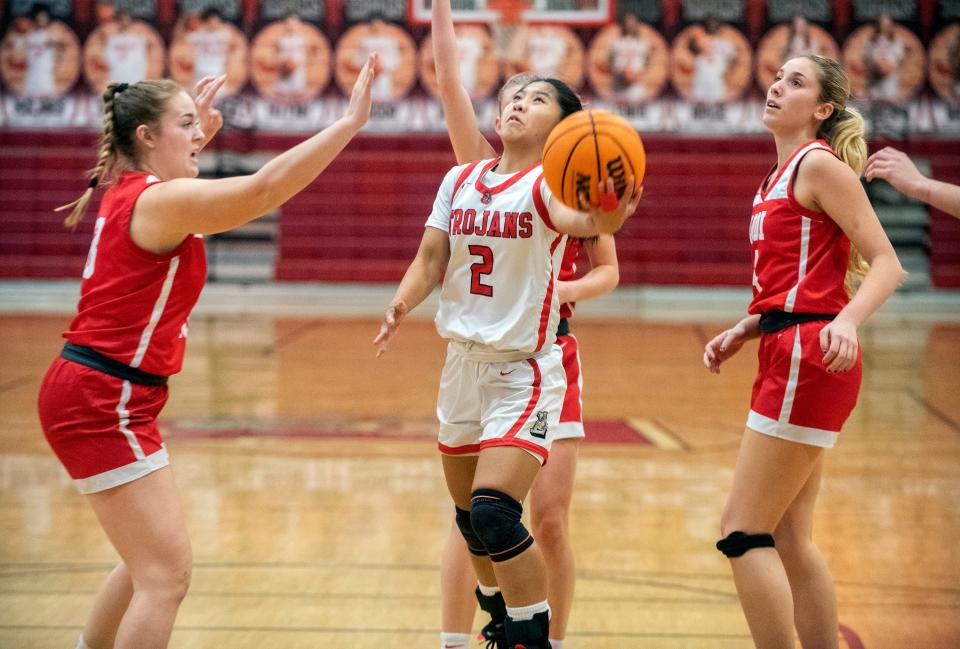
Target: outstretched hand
x=204 y=96
x=896 y=168
x=610 y=214
x=361 y=98
x=391 y=322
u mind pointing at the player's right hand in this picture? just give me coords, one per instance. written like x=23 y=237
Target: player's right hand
x=612 y=212
x=361 y=99
x=896 y=168
x=391 y=322
x=726 y=344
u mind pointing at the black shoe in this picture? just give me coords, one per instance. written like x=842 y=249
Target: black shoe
x=529 y=634
x=493 y=633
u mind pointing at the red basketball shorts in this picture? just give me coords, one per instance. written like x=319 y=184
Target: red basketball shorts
x=102 y=428
x=571 y=416
x=794 y=397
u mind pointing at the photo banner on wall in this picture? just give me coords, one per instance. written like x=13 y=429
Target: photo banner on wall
x=286 y=74
x=207 y=43
x=479 y=67
x=39 y=65
x=122 y=49
x=784 y=42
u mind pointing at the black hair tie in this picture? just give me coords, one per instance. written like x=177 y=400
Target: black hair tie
x=93 y=182
x=120 y=88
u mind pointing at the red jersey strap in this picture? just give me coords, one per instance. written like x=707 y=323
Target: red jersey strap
x=540 y=205
x=463 y=177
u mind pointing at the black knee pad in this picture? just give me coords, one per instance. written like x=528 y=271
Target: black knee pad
x=739 y=543
x=495 y=517
x=474 y=544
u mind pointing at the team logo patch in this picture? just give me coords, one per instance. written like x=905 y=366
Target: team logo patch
x=539 y=427
x=486 y=198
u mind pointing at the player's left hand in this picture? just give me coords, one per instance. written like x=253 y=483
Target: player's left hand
x=612 y=211
x=204 y=95
x=838 y=341
x=391 y=322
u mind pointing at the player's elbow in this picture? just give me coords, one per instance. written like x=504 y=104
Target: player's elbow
x=613 y=278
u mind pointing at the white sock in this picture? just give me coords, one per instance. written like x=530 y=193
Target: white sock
x=527 y=612
x=454 y=640
x=489 y=591
x=556 y=644
x=81 y=644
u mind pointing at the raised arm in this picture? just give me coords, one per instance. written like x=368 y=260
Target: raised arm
x=898 y=169
x=423 y=274
x=465 y=136
x=167 y=212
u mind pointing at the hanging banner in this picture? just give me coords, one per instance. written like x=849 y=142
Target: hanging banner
x=885 y=61
x=291 y=61
x=205 y=44
x=944 y=64
x=711 y=63
x=479 y=68
x=547 y=51
x=785 y=42
x=124 y=50
x=628 y=62
x=398 y=66
x=39 y=65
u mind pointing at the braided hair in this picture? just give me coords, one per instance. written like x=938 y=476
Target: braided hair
x=125 y=107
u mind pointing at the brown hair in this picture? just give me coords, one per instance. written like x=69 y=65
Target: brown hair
x=125 y=107
x=844 y=130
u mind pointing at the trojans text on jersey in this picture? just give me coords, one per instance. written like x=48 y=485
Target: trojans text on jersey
x=508 y=225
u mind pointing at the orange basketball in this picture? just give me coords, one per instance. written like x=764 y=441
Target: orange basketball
x=591 y=146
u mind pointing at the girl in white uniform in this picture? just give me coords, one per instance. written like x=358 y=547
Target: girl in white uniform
x=496 y=238
x=552 y=491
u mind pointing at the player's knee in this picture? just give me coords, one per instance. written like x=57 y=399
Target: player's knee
x=495 y=517
x=550 y=527
x=167 y=578
x=166 y=582
x=737 y=543
x=474 y=544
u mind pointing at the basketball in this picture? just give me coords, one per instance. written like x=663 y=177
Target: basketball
x=591 y=146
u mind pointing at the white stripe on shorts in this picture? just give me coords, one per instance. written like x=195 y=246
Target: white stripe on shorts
x=123 y=474
x=124 y=423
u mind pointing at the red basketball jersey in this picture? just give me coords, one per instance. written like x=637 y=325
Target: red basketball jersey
x=800 y=256
x=134 y=304
x=568 y=272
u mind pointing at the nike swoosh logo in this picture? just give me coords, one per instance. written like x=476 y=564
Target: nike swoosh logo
x=505 y=373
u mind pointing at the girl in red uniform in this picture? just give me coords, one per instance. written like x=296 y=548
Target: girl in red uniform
x=552 y=490
x=806 y=214
x=100 y=399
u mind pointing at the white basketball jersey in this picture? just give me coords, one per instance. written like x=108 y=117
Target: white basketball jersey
x=500 y=285
x=126 y=56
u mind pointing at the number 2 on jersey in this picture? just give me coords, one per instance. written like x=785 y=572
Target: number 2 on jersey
x=479 y=269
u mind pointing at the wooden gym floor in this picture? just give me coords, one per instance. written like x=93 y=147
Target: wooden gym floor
x=317 y=510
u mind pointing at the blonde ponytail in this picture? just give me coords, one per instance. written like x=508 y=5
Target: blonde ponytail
x=845 y=131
